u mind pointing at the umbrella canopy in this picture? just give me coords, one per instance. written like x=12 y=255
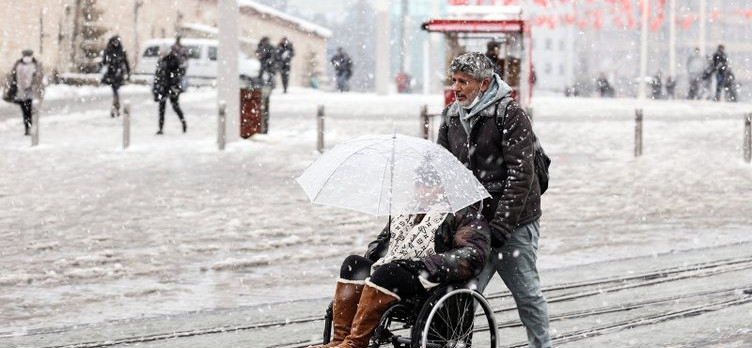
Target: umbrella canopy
x=389 y=175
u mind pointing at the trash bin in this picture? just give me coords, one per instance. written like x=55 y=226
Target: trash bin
x=254 y=108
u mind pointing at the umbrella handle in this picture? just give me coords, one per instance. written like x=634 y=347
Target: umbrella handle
x=480 y=209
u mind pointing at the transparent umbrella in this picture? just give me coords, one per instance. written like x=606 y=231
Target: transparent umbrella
x=389 y=175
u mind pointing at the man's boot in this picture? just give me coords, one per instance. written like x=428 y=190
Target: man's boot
x=344 y=306
x=373 y=303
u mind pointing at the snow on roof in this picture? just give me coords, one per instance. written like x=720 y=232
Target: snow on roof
x=302 y=24
x=486 y=11
x=203 y=28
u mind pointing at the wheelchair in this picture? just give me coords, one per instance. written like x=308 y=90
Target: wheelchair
x=449 y=316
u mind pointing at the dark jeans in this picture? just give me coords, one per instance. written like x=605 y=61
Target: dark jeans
x=389 y=276
x=285 y=75
x=342 y=79
x=26 y=111
x=720 y=84
x=175 y=106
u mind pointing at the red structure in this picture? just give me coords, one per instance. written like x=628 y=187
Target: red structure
x=470 y=28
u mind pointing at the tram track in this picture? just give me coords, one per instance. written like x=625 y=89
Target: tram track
x=577 y=335
x=621 y=283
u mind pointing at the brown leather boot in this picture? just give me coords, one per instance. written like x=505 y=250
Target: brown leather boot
x=373 y=303
x=344 y=306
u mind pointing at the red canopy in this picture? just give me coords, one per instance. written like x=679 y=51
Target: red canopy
x=473 y=25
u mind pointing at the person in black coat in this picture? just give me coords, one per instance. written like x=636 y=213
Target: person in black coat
x=167 y=84
x=492 y=53
x=719 y=65
x=265 y=53
x=342 y=68
x=284 y=55
x=115 y=60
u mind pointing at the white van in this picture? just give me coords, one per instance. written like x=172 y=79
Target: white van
x=202 y=60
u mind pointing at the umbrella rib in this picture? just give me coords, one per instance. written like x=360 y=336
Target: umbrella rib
x=381 y=190
x=337 y=167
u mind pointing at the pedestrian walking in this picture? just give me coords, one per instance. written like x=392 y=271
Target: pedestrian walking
x=167 y=84
x=25 y=84
x=342 y=69
x=695 y=72
x=265 y=55
x=118 y=71
x=492 y=52
x=720 y=64
x=604 y=87
x=732 y=86
x=656 y=86
x=284 y=54
x=491 y=133
x=670 y=87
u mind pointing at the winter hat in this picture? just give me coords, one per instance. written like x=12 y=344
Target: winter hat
x=27 y=53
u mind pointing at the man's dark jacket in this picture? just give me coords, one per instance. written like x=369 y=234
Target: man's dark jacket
x=502 y=161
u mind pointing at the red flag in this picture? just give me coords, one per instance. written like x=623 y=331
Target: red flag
x=686 y=21
x=657 y=21
x=626 y=8
x=597 y=19
x=569 y=18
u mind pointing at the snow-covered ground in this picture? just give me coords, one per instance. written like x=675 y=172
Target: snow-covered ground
x=91 y=232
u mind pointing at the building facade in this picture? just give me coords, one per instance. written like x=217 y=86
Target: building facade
x=56 y=30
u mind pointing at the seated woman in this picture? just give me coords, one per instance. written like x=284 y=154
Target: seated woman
x=412 y=254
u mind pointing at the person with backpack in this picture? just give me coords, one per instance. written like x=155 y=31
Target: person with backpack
x=492 y=135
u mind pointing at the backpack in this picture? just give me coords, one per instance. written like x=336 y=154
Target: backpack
x=541 y=160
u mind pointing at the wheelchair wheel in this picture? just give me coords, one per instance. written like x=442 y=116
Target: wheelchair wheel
x=328 y=320
x=393 y=330
x=458 y=318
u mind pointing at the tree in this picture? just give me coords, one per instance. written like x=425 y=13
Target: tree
x=88 y=37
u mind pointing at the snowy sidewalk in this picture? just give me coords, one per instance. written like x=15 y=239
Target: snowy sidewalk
x=93 y=233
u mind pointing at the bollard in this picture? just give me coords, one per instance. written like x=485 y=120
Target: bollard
x=221 y=125
x=748 y=138
x=426 y=126
x=320 y=138
x=638 y=133
x=34 y=125
x=126 y=124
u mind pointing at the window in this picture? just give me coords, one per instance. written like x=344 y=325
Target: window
x=151 y=51
x=562 y=45
x=548 y=68
x=212 y=53
x=194 y=52
x=549 y=44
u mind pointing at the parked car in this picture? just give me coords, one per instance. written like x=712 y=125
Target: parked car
x=202 y=60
